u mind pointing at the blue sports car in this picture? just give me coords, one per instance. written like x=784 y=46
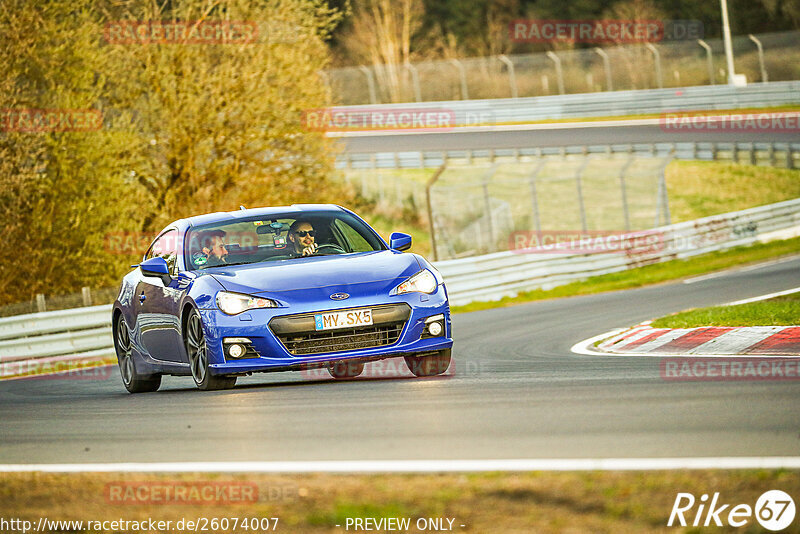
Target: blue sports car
x=224 y=295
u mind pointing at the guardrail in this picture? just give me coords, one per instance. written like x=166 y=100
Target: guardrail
x=502 y=274
x=53 y=339
x=776 y=154
x=617 y=103
x=84 y=334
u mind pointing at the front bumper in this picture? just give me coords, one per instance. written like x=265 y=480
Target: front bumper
x=273 y=355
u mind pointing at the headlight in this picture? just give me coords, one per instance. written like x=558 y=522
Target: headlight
x=233 y=303
x=422 y=282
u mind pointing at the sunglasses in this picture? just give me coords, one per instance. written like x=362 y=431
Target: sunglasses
x=303 y=233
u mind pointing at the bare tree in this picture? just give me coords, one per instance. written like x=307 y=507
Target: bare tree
x=381 y=34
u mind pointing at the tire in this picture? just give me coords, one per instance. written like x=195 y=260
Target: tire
x=131 y=379
x=432 y=365
x=346 y=369
x=196 y=348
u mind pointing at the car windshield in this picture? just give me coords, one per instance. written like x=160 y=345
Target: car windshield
x=275 y=238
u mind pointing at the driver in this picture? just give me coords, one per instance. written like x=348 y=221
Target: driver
x=301 y=235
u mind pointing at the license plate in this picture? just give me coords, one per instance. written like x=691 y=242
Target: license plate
x=343 y=319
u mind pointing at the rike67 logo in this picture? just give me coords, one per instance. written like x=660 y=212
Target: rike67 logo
x=774 y=510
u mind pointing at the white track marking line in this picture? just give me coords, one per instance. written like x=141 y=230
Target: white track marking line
x=422 y=466
x=763 y=297
x=626 y=335
x=583 y=347
x=632 y=338
x=747 y=268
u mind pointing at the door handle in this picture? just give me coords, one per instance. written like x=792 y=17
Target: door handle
x=142 y=298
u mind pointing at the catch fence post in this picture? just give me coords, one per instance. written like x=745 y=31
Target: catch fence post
x=512 y=78
x=429 y=204
x=86 y=294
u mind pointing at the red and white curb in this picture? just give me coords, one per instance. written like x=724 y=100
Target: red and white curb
x=643 y=340
x=707 y=340
x=710 y=341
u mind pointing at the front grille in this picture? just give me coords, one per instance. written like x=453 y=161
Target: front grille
x=363 y=337
x=299 y=337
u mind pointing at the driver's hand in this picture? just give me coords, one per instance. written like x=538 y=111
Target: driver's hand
x=311 y=249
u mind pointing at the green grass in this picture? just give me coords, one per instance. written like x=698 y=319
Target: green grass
x=702 y=188
x=780 y=311
x=650 y=274
x=544 y=502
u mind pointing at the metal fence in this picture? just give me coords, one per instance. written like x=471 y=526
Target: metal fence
x=84 y=334
x=473 y=208
x=512 y=111
x=474 y=201
x=494 y=276
x=767 y=57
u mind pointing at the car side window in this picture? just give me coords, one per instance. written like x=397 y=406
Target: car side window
x=166 y=246
x=356 y=240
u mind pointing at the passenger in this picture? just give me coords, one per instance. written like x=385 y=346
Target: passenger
x=214 y=248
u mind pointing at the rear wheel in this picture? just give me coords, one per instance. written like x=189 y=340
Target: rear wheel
x=197 y=349
x=346 y=369
x=133 y=381
x=431 y=365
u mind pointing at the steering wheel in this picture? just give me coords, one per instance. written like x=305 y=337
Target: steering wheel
x=336 y=249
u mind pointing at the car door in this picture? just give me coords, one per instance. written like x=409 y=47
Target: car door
x=158 y=305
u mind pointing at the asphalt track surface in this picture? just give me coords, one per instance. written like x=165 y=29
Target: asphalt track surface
x=562 y=136
x=515 y=391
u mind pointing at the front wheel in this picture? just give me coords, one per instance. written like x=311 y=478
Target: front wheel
x=197 y=349
x=131 y=379
x=431 y=365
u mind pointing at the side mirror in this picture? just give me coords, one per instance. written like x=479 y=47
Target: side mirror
x=156 y=267
x=399 y=241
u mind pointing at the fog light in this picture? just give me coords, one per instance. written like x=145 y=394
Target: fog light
x=435 y=329
x=236 y=351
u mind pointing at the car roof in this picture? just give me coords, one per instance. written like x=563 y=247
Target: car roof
x=255 y=212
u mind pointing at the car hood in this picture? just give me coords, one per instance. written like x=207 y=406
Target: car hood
x=317 y=271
